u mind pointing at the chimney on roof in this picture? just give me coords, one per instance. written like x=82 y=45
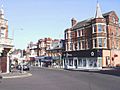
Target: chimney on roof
x=73 y=21
x=98 y=11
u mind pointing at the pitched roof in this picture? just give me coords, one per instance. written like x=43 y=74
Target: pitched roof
x=88 y=21
x=111 y=12
x=108 y=13
x=82 y=23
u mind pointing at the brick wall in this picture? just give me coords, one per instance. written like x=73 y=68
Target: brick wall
x=3 y=64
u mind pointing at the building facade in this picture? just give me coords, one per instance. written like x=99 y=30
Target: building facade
x=31 y=53
x=32 y=49
x=93 y=43
x=6 y=44
x=38 y=50
x=46 y=52
x=56 y=52
x=43 y=45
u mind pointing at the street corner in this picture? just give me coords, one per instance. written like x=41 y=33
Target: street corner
x=20 y=75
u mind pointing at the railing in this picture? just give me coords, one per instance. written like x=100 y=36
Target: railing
x=6 y=41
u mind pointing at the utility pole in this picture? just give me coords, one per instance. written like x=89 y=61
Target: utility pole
x=22 y=61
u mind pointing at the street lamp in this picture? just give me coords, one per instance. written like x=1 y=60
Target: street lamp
x=13 y=32
x=13 y=37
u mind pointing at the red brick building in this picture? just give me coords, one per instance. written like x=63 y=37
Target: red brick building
x=46 y=48
x=93 y=43
x=55 y=51
x=43 y=45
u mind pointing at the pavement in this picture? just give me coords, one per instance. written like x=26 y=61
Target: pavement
x=15 y=74
x=107 y=71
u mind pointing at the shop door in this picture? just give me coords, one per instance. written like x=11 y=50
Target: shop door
x=75 y=63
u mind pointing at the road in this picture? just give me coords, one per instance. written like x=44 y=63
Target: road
x=48 y=79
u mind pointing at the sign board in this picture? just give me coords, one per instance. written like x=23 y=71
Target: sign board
x=92 y=53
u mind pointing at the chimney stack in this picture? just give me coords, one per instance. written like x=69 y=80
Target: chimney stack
x=73 y=21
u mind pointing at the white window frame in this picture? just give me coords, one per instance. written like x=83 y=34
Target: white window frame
x=105 y=30
x=93 y=28
x=105 y=45
x=96 y=24
x=66 y=47
x=82 y=45
x=71 y=46
x=99 y=26
x=78 y=32
x=98 y=43
x=94 y=43
x=79 y=45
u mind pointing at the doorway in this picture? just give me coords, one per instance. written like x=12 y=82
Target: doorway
x=75 y=63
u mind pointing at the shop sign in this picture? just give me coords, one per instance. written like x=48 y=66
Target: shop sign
x=92 y=53
x=68 y=54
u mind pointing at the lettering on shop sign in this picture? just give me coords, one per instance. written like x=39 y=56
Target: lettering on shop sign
x=69 y=54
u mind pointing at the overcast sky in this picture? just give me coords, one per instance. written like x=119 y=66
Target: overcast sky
x=35 y=19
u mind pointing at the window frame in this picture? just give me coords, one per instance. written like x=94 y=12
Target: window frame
x=99 y=28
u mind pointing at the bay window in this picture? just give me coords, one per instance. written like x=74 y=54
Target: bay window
x=105 y=42
x=94 y=43
x=99 y=28
x=99 y=42
x=94 y=28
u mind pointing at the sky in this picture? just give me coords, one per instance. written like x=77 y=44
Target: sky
x=31 y=20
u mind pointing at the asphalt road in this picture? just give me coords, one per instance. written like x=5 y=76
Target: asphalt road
x=47 y=79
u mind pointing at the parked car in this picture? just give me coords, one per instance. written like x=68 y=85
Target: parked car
x=18 y=67
x=25 y=67
x=12 y=66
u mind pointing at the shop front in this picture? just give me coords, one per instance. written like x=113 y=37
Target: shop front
x=91 y=59
x=43 y=61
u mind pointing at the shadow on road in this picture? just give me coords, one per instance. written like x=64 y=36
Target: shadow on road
x=114 y=71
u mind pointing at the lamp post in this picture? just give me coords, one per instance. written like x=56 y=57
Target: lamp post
x=13 y=37
x=13 y=33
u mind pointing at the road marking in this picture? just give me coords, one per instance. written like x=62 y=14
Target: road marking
x=19 y=76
